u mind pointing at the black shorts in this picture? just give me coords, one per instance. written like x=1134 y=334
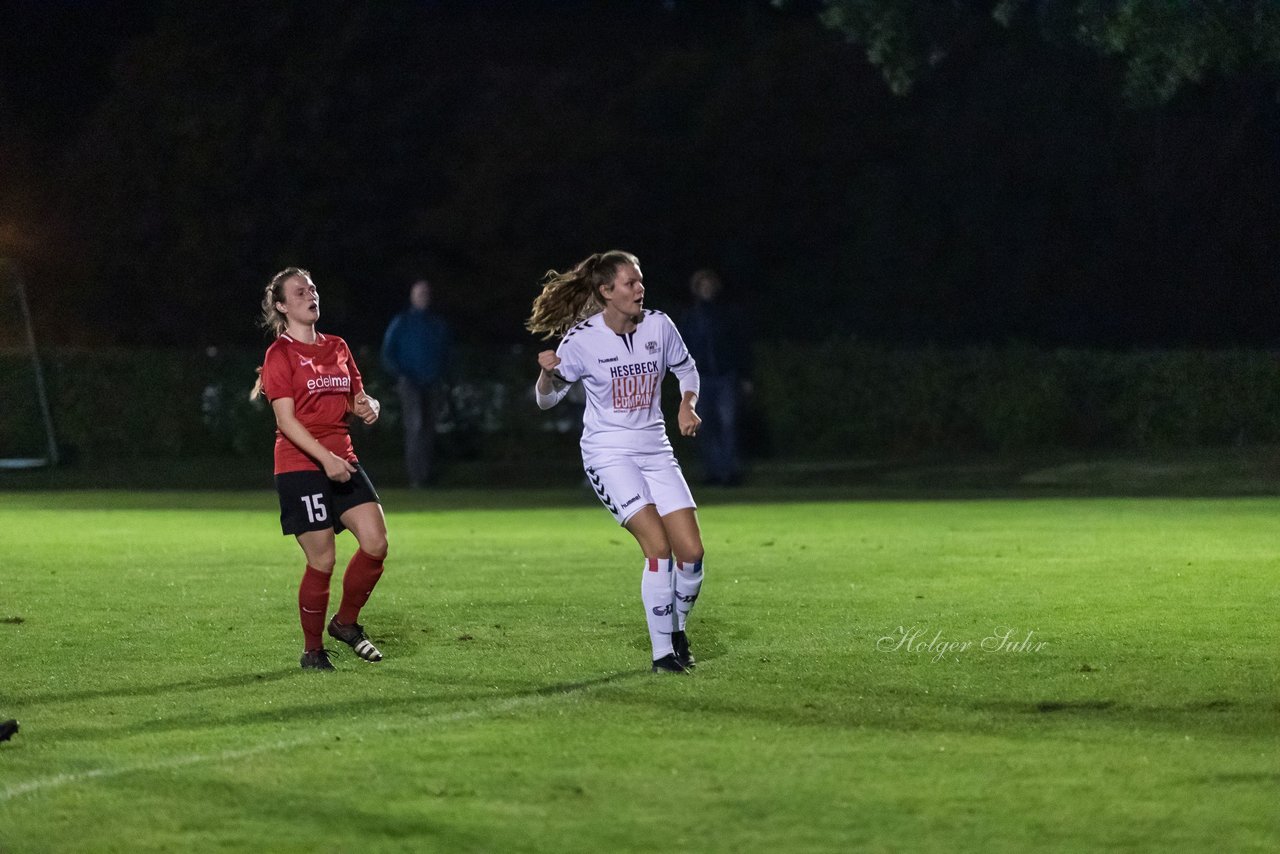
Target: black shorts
x=309 y=501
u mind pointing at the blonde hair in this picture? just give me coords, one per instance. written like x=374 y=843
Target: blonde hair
x=271 y=319
x=569 y=297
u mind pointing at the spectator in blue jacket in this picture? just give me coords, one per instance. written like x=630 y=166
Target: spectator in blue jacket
x=416 y=352
x=716 y=333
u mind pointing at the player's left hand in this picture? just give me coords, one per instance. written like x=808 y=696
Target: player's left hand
x=366 y=408
x=689 y=420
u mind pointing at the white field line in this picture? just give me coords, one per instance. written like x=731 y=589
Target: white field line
x=58 y=780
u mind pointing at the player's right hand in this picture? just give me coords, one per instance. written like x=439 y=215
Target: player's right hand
x=337 y=469
x=548 y=360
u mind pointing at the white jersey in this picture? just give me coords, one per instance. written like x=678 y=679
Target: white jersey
x=622 y=377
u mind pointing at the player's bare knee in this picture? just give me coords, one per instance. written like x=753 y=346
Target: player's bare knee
x=375 y=546
x=689 y=554
x=656 y=547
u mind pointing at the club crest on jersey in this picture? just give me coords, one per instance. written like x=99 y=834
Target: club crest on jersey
x=651 y=346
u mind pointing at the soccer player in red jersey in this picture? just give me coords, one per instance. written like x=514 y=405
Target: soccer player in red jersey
x=314 y=386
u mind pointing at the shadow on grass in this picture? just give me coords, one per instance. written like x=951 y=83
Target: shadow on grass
x=796 y=705
x=236 y=680
x=1109 y=707
x=1241 y=779
x=704 y=641
x=1072 y=706
x=343 y=814
x=708 y=646
x=336 y=706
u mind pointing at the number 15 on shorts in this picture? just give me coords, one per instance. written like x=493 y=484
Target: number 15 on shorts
x=316 y=510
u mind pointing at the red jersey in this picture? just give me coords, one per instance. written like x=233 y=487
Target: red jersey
x=320 y=378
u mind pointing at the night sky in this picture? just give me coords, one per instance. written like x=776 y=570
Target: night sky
x=56 y=58
x=162 y=159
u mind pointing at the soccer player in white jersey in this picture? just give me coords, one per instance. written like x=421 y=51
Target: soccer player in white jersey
x=620 y=351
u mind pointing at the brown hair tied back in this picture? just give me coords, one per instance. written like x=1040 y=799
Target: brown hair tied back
x=569 y=297
x=270 y=318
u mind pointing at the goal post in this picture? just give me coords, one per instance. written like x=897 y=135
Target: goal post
x=11 y=281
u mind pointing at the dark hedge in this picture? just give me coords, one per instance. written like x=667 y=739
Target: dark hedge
x=832 y=400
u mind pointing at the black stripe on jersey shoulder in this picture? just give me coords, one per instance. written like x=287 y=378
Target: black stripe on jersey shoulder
x=655 y=311
x=581 y=326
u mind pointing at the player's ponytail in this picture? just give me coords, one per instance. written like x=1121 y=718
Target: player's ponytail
x=568 y=297
x=271 y=319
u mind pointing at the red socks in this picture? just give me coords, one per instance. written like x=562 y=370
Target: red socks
x=358 y=582
x=313 y=603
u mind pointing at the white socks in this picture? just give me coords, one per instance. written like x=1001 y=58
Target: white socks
x=688 y=583
x=668 y=588
x=656 y=593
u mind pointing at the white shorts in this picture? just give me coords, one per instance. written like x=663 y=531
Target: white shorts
x=627 y=483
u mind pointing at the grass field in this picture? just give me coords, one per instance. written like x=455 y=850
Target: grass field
x=150 y=650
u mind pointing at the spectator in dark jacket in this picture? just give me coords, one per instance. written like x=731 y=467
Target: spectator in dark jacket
x=416 y=352
x=716 y=334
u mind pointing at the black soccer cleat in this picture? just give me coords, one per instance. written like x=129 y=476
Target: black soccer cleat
x=8 y=730
x=316 y=659
x=353 y=636
x=669 y=664
x=680 y=641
